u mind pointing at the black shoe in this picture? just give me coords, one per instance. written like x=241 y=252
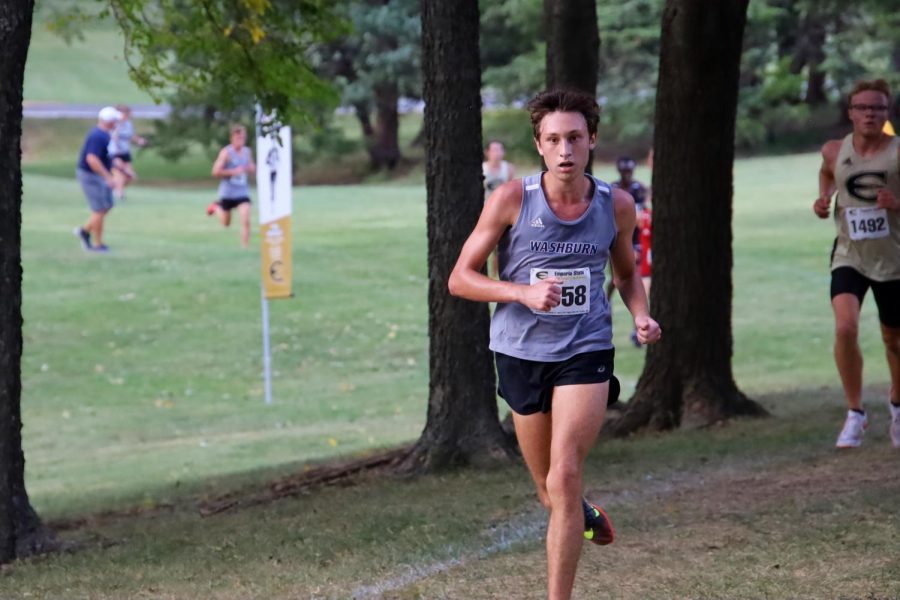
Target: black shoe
x=84 y=237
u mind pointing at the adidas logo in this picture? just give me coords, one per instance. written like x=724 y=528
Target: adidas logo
x=536 y=222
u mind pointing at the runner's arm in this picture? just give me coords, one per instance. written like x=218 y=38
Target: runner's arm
x=827 y=184
x=886 y=198
x=251 y=166
x=467 y=280
x=219 y=170
x=627 y=279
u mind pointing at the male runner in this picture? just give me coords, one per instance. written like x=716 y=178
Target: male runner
x=552 y=331
x=625 y=165
x=233 y=164
x=864 y=169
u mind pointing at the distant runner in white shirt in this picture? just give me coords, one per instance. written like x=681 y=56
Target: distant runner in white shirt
x=496 y=172
x=121 y=139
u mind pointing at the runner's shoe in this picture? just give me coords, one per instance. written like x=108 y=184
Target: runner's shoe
x=211 y=209
x=895 y=425
x=852 y=433
x=84 y=237
x=102 y=248
x=598 y=529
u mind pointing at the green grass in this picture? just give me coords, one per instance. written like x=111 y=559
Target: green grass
x=86 y=71
x=142 y=368
x=142 y=386
x=151 y=355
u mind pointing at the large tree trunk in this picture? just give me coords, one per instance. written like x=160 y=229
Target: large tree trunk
x=384 y=149
x=809 y=52
x=21 y=532
x=687 y=378
x=462 y=425
x=573 y=47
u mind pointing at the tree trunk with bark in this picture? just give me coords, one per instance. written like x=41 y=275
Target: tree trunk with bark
x=573 y=47
x=384 y=148
x=809 y=52
x=462 y=426
x=687 y=378
x=21 y=532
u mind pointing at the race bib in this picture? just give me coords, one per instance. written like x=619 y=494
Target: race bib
x=867 y=223
x=576 y=290
x=239 y=179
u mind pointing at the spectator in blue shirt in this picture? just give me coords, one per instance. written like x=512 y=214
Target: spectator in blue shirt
x=96 y=179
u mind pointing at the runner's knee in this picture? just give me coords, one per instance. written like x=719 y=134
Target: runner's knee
x=891 y=338
x=563 y=481
x=846 y=330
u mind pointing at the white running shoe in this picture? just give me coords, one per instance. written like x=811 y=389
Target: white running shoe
x=852 y=433
x=895 y=425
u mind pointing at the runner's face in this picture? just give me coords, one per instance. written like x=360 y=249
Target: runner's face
x=238 y=138
x=868 y=112
x=495 y=152
x=565 y=144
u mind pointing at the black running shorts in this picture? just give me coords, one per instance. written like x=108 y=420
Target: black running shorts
x=847 y=280
x=527 y=385
x=232 y=203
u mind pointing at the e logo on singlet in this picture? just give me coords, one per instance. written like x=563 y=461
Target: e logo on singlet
x=864 y=186
x=542 y=275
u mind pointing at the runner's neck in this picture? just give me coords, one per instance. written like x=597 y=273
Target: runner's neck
x=870 y=146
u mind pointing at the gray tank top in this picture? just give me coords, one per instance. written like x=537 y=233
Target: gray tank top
x=540 y=245
x=868 y=238
x=236 y=186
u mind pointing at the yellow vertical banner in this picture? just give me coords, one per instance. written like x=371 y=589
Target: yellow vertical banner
x=276 y=258
x=274 y=175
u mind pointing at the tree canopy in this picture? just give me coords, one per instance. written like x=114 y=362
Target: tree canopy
x=234 y=51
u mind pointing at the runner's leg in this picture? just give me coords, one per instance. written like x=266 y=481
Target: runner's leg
x=578 y=412
x=847 y=354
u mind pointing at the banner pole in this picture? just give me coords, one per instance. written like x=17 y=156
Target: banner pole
x=267 y=355
x=267 y=352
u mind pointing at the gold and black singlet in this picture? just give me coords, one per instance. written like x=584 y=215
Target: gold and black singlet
x=868 y=237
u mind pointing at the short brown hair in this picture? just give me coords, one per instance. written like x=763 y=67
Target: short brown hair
x=874 y=85
x=563 y=100
x=237 y=128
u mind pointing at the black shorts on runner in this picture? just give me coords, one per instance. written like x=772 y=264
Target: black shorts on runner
x=847 y=280
x=527 y=385
x=232 y=203
x=125 y=157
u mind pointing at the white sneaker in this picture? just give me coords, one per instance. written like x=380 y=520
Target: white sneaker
x=852 y=433
x=895 y=425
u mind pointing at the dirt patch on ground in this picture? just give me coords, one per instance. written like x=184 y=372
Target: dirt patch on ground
x=805 y=529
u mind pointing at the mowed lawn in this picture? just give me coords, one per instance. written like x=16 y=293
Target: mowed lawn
x=142 y=369
x=143 y=393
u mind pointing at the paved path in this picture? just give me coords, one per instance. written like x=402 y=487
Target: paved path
x=59 y=110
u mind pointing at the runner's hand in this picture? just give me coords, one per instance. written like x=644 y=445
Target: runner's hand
x=543 y=295
x=648 y=331
x=821 y=206
x=886 y=199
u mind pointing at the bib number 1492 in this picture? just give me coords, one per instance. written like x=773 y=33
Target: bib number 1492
x=867 y=223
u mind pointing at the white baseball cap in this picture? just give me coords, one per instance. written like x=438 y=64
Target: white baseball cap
x=109 y=113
